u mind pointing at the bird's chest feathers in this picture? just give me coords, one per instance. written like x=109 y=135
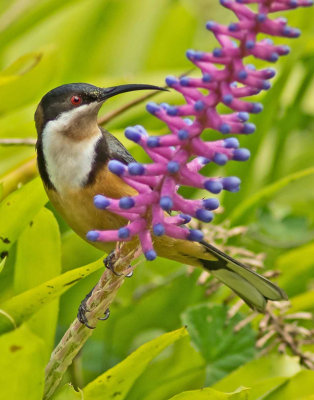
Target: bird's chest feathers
x=68 y=162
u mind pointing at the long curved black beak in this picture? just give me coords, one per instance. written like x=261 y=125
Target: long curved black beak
x=113 y=91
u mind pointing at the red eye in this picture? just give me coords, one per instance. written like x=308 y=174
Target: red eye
x=76 y=100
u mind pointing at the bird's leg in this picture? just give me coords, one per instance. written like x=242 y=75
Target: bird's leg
x=109 y=264
x=81 y=315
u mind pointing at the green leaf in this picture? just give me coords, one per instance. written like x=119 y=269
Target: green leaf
x=21 y=307
x=22 y=365
x=22 y=65
x=212 y=332
x=297 y=388
x=117 y=381
x=67 y=392
x=2 y=264
x=257 y=371
x=302 y=302
x=297 y=267
x=38 y=259
x=18 y=209
x=212 y=394
x=267 y=192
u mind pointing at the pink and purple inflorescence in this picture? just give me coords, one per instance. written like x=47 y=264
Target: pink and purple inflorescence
x=178 y=156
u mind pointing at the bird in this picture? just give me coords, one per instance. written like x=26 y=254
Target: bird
x=73 y=152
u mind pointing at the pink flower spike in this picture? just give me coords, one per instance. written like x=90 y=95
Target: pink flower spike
x=177 y=157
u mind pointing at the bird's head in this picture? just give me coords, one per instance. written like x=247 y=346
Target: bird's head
x=73 y=108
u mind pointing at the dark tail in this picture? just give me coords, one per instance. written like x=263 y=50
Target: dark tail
x=253 y=288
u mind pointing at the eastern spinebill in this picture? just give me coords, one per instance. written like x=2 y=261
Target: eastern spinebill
x=73 y=152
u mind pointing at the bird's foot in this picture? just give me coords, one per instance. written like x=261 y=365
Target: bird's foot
x=81 y=315
x=109 y=264
x=108 y=261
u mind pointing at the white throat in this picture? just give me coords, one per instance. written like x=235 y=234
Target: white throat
x=68 y=161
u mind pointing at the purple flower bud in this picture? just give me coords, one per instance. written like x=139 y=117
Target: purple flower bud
x=257 y=108
x=220 y=159
x=190 y=54
x=116 y=167
x=241 y=154
x=152 y=107
x=172 y=110
x=248 y=128
x=159 y=229
x=210 y=25
x=150 y=255
x=153 y=141
x=92 y=236
x=204 y=215
x=261 y=17
x=231 y=143
x=207 y=78
x=166 y=203
x=183 y=134
x=243 y=116
x=242 y=75
x=185 y=81
x=227 y=98
x=213 y=186
x=195 y=235
x=233 y=27
x=225 y=128
x=273 y=57
x=173 y=167
x=126 y=203
x=199 y=105
x=186 y=218
x=171 y=80
x=101 y=202
x=231 y=183
x=211 y=204
x=135 y=168
x=123 y=233
x=266 y=85
x=217 y=52
x=133 y=134
x=250 y=44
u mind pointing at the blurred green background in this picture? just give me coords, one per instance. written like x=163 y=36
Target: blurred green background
x=48 y=43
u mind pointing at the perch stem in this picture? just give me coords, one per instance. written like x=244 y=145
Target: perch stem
x=77 y=334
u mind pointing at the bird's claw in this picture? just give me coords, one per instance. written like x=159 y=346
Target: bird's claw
x=106 y=315
x=109 y=264
x=81 y=315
